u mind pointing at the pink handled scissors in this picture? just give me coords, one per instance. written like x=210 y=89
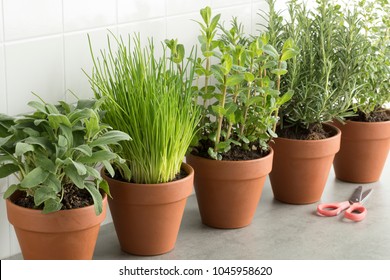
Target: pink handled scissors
x=355 y=211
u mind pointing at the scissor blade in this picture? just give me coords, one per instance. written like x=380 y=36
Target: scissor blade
x=365 y=195
x=357 y=195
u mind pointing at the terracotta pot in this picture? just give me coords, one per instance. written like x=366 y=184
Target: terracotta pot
x=228 y=192
x=363 y=152
x=301 y=167
x=147 y=217
x=62 y=235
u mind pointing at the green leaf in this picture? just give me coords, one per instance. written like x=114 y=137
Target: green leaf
x=8 y=169
x=22 y=148
x=10 y=190
x=249 y=77
x=97 y=198
x=270 y=50
x=45 y=163
x=66 y=106
x=56 y=119
x=105 y=187
x=81 y=169
x=226 y=63
x=214 y=21
x=97 y=157
x=206 y=14
x=5 y=140
x=93 y=172
x=285 y=98
x=85 y=103
x=85 y=149
x=34 y=178
x=76 y=179
x=110 y=137
x=279 y=72
x=288 y=44
x=219 y=110
x=212 y=153
x=44 y=193
x=51 y=205
x=38 y=106
x=288 y=54
x=234 y=80
x=53 y=182
x=40 y=141
x=109 y=168
x=31 y=132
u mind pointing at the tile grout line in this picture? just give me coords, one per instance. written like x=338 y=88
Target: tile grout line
x=63 y=51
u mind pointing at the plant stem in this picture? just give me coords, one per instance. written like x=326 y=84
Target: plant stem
x=278 y=89
x=220 y=116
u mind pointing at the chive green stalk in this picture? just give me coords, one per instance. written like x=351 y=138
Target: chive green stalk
x=150 y=99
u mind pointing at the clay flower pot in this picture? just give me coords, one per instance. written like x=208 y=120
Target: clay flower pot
x=62 y=235
x=228 y=191
x=147 y=217
x=301 y=167
x=363 y=152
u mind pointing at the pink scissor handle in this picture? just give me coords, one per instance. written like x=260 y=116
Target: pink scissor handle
x=356 y=212
x=332 y=209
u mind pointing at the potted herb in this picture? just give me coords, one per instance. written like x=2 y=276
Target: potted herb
x=60 y=200
x=322 y=77
x=241 y=97
x=365 y=139
x=151 y=99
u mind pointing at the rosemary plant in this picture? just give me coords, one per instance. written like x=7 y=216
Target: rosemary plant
x=152 y=100
x=239 y=80
x=324 y=75
x=375 y=68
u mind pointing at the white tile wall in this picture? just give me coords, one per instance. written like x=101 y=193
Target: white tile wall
x=4 y=231
x=34 y=66
x=155 y=28
x=243 y=14
x=179 y=7
x=43 y=47
x=24 y=19
x=228 y=3
x=135 y=10
x=88 y=14
x=78 y=58
x=3 y=96
x=259 y=7
x=1 y=22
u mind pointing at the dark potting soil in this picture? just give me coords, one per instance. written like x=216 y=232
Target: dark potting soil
x=73 y=198
x=234 y=154
x=314 y=132
x=378 y=115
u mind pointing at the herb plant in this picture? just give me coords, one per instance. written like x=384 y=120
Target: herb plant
x=375 y=66
x=239 y=80
x=152 y=100
x=323 y=76
x=57 y=146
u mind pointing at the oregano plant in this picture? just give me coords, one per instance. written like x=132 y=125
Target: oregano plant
x=239 y=85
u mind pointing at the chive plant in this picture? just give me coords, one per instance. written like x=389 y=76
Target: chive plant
x=323 y=75
x=150 y=99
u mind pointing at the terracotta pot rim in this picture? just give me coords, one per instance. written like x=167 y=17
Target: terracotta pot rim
x=70 y=211
x=236 y=161
x=188 y=168
x=367 y=123
x=338 y=132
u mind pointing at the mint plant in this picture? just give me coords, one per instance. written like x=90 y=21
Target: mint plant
x=56 y=146
x=239 y=82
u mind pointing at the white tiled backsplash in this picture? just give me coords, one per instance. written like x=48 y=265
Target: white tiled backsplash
x=44 y=47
